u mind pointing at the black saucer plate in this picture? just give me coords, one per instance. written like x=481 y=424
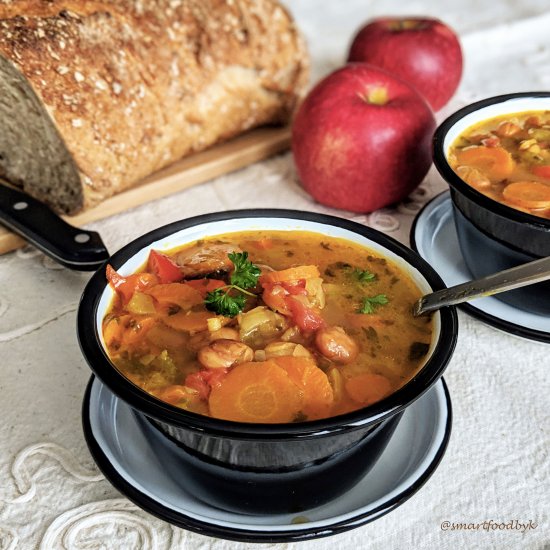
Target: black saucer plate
x=433 y=236
x=134 y=458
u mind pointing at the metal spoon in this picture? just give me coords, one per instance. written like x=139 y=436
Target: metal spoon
x=509 y=279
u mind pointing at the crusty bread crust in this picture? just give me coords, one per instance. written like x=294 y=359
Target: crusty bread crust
x=118 y=89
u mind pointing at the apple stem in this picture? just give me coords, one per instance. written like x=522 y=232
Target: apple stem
x=376 y=96
x=406 y=24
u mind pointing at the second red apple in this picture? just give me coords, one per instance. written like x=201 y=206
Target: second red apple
x=362 y=139
x=421 y=50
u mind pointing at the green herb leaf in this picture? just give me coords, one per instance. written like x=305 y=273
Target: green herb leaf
x=221 y=302
x=245 y=274
x=371 y=303
x=364 y=276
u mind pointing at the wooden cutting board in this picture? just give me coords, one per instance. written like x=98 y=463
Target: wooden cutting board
x=206 y=165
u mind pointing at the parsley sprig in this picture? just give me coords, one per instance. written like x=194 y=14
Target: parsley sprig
x=221 y=302
x=229 y=300
x=245 y=274
x=364 y=275
x=371 y=303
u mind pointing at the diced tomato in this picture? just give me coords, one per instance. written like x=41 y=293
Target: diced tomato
x=126 y=286
x=205 y=285
x=295 y=288
x=307 y=318
x=164 y=268
x=196 y=382
x=542 y=171
x=278 y=296
x=214 y=377
x=275 y=296
x=204 y=380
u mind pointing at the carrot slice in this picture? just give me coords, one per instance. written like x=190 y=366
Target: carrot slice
x=175 y=293
x=189 y=321
x=314 y=383
x=542 y=171
x=527 y=194
x=204 y=286
x=494 y=162
x=368 y=388
x=290 y=274
x=134 y=333
x=256 y=392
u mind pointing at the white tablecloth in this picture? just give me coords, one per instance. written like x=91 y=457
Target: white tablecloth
x=497 y=465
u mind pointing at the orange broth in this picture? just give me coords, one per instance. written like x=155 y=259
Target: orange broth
x=327 y=329
x=507 y=158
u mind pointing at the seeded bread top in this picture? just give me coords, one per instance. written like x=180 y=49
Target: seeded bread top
x=133 y=85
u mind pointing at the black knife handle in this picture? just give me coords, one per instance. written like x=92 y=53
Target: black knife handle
x=70 y=246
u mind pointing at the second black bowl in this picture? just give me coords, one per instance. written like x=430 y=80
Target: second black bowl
x=492 y=236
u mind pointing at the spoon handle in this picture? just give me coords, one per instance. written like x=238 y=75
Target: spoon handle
x=516 y=277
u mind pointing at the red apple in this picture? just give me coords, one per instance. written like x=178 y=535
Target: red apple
x=422 y=51
x=362 y=139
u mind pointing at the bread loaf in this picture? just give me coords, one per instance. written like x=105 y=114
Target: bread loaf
x=97 y=94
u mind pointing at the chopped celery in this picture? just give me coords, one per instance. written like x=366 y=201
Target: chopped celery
x=141 y=304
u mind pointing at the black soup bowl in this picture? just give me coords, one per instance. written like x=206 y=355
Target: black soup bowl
x=270 y=468
x=492 y=235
